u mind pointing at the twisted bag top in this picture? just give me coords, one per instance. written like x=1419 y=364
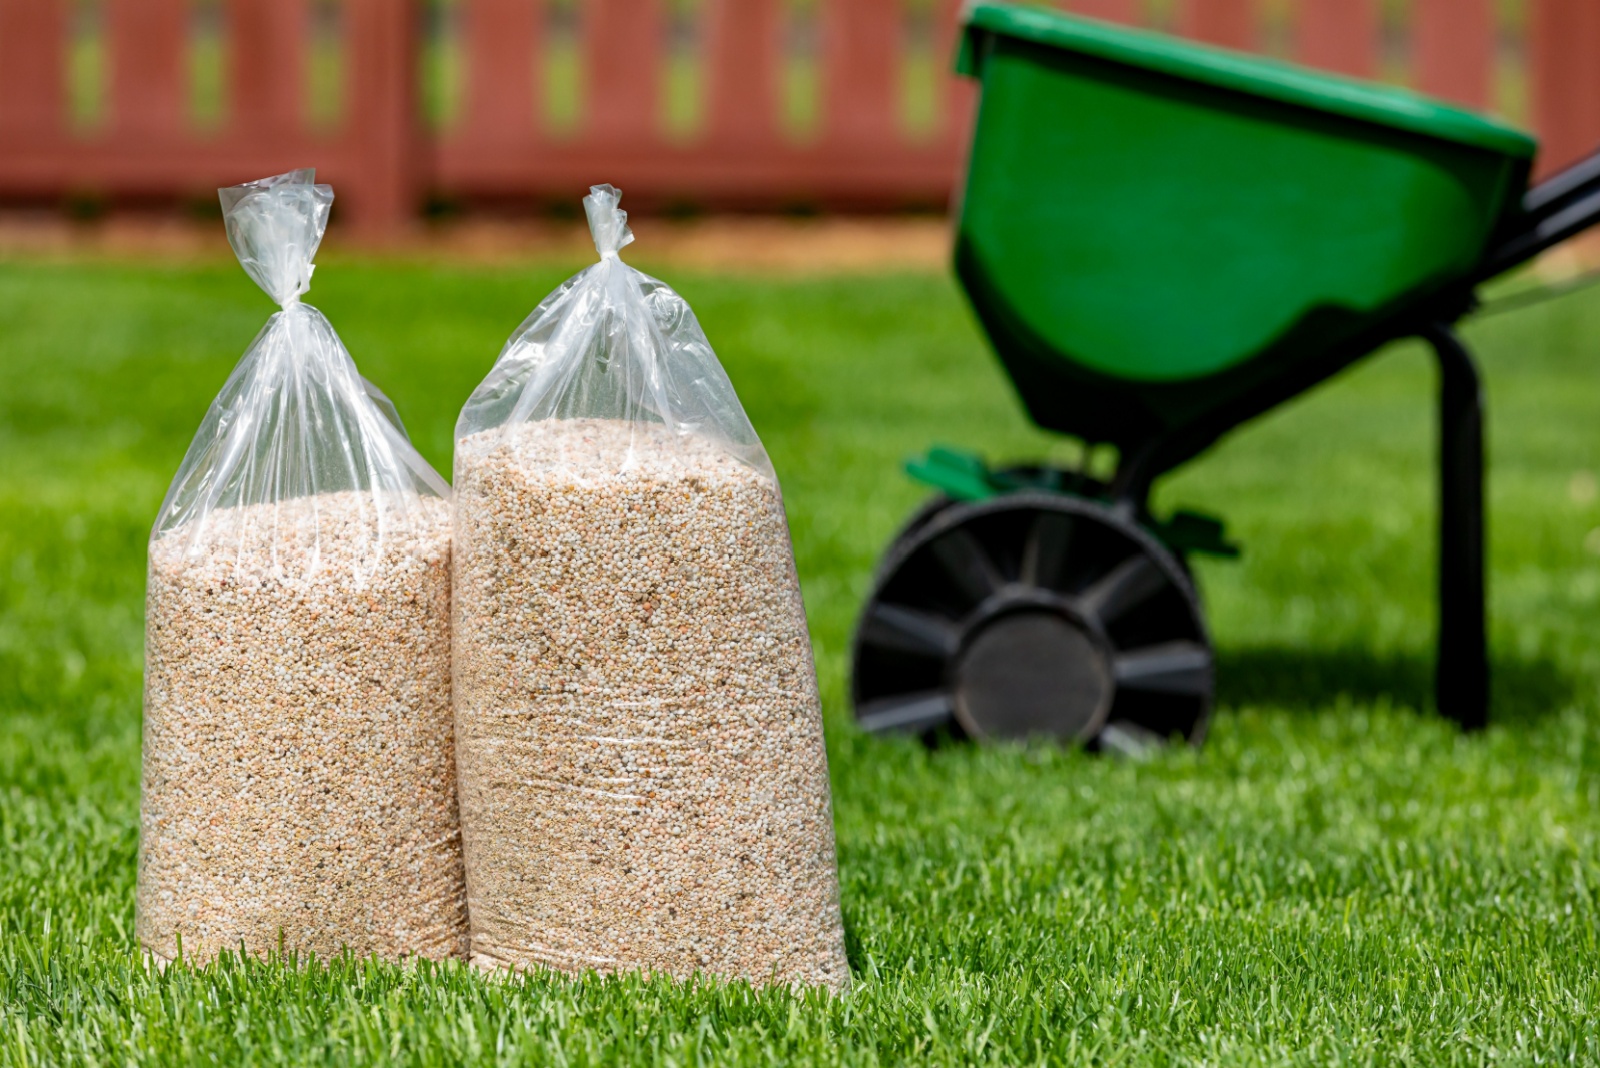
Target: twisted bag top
x=294 y=419
x=614 y=343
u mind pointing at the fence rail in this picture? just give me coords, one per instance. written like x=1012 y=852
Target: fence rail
x=533 y=99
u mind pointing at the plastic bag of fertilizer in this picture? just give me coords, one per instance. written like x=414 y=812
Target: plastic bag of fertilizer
x=298 y=787
x=642 y=774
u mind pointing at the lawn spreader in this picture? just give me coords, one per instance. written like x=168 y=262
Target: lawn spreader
x=1162 y=241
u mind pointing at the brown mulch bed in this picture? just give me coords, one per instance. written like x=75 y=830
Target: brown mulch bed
x=775 y=245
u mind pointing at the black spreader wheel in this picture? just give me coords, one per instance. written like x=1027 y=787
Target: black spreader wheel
x=1033 y=615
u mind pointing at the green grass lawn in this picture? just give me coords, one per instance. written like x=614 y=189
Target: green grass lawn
x=1337 y=877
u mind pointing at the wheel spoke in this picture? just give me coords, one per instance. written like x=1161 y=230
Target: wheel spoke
x=1049 y=537
x=1123 y=588
x=1172 y=667
x=967 y=564
x=912 y=712
x=908 y=630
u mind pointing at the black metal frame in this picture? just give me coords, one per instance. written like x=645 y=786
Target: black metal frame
x=1461 y=671
x=1553 y=211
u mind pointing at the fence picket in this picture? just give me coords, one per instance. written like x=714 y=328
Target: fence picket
x=501 y=37
x=1124 y=11
x=1226 y=23
x=33 y=44
x=385 y=174
x=1339 y=35
x=1454 y=49
x=742 y=58
x=149 y=50
x=1564 y=47
x=861 y=57
x=623 y=47
x=267 y=46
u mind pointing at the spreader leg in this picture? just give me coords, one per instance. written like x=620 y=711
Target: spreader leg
x=1461 y=679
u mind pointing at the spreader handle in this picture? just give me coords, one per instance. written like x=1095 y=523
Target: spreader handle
x=1559 y=189
x=1558 y=208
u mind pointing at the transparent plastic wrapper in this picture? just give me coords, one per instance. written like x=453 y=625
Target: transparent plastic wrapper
x=299 y=768
x=641 y=766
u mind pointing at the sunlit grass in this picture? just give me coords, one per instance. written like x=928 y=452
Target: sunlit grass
x=1337 y=877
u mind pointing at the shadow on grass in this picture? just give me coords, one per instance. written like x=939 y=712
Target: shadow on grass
x=1309 y=680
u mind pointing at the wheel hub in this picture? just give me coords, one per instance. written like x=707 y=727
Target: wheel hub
x=1031 y=674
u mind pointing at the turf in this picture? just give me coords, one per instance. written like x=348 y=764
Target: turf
x=1337 y=877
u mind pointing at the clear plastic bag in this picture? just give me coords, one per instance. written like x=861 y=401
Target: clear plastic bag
x=639 y=742
x=298 y=788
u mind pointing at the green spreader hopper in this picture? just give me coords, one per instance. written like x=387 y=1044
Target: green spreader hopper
x=1163 y=240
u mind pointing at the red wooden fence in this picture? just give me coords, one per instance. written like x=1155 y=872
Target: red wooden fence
x=384 y=159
